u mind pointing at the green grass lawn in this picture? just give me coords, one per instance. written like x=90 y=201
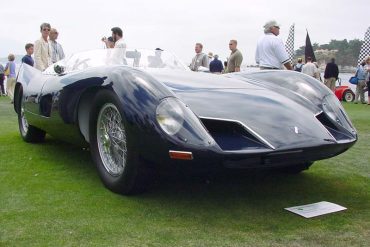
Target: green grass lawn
x=50 y=195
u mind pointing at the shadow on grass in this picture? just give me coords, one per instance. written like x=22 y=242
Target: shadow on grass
x=226 y=187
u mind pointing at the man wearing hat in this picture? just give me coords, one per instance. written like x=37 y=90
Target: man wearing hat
x=210 y=57
x=119 y=53
x=156 y=61
x=270 y=52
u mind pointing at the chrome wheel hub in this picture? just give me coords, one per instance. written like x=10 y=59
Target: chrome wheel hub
x=111 y=139
x=24 y=122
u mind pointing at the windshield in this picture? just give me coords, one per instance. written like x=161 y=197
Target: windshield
x=141 y=58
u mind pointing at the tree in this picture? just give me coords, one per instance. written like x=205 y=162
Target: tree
x=345 y=52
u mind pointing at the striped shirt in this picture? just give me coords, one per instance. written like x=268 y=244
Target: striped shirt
x=57 y=52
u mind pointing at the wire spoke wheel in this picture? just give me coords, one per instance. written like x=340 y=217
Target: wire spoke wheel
x=111 y=139
x=24 y=122
x=348 y=96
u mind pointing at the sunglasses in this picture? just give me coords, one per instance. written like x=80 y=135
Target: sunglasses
x=46 y=29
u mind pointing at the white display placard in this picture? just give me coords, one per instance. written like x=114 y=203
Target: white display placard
x=316 y=209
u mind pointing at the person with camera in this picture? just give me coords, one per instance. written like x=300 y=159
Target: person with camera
x=119 y=52
x=109 y=43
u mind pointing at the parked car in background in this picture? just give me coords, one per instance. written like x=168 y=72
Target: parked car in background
x=344 y=93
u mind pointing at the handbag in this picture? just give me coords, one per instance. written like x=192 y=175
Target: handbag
x=353 y=80
x=7 y=71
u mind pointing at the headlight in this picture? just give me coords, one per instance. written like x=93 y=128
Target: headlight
x=181 y=124
x=170 y=115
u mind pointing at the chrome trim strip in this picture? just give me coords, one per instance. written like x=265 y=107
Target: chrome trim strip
x=318 y=113
x=254 y=133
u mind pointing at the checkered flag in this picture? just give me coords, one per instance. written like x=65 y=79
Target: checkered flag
x=365 y=48
x=289 y=45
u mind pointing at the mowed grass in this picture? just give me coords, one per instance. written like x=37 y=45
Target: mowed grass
x=50 y=195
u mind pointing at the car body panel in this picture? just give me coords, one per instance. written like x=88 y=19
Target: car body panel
x=252 y=119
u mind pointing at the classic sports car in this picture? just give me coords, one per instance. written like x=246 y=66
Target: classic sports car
x=146 y=111
x=344 y=93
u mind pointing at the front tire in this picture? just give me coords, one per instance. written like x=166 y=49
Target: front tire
x=348 y=96
x=28 y=132
x=112 y=149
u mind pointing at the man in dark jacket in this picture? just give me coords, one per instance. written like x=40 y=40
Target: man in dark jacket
x=216 y=66
x=331 y=74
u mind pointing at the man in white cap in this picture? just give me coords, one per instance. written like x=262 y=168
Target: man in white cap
x=270 y=52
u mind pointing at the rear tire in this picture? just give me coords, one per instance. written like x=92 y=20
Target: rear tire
x=348 y=96
x=295 y=169
x=112 y=149
x=28 y=132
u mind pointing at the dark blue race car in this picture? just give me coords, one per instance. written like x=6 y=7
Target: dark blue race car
x=141 y=111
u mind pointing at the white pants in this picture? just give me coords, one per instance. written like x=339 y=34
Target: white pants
x=10 y=86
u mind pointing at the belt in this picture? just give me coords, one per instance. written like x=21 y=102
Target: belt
x=263 y=67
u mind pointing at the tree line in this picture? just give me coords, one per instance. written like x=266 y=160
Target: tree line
x=345 y=52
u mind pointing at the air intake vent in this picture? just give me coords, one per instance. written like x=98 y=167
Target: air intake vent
x=332 y=128
x=232 y=136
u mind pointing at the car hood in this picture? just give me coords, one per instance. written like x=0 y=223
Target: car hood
x=282 y=121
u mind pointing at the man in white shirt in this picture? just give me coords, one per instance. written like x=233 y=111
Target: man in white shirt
x=119 y=52
x=309 y=68
x=42 y=52
x=200 y=59
x=270 y=52
x=57 y=52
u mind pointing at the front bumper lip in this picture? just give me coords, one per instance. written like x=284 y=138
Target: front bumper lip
x=286 y=157
x=267 y=157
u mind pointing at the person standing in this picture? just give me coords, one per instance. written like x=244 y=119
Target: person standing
x=210 y=57
x=57 y=52
x=27 y=59
x=360 y=74
x=10 y=82
x=309 y=68
x=216 y=66
x=42 y=48
x=2 y=77
x=235 y=59
x=331 y=74
x=367 y=78
x=299 y=65
x=200 y=58
x=318 y=72
x=119 y=52
x=270 y=52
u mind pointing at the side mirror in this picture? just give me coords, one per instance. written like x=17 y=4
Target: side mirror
x=59 y=69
